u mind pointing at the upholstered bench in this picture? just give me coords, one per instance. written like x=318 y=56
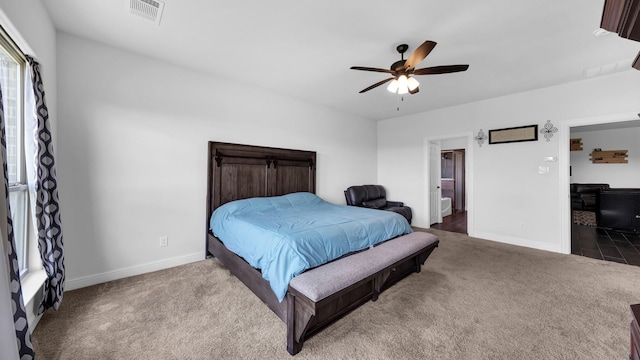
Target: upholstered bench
x=351 y=281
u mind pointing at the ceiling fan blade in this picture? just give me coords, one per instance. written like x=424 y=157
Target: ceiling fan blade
x=419 y=54
x=372 y=69
x=414 y=90
x=376 y=84
x=445 y=69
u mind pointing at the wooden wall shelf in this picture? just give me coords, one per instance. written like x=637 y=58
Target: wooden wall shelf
x=609 y=157
x=576 y=144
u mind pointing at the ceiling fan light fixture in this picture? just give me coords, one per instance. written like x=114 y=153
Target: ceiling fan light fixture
x=402 y=84
x=393 y=86
x=412 y=84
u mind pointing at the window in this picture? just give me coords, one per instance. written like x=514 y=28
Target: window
x=12 y=70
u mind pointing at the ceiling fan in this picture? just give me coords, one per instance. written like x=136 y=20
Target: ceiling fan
x=402 y=81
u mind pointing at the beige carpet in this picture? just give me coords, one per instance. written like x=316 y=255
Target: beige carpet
x=474 y=299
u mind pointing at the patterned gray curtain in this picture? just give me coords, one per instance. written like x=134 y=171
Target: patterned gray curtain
x=25 y=349
x=47 y=210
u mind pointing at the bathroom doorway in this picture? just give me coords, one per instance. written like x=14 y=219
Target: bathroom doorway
x=452 y=165
x=452 y=181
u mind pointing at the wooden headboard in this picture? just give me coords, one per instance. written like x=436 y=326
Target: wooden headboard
x=238 y=171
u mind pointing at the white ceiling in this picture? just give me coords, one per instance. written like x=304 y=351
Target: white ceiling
x=304 y=49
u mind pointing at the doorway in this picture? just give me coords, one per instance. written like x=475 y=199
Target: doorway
x=449 y=182
x=453 y=195
x=587 y=175
x=564 y=162
x=452 y=181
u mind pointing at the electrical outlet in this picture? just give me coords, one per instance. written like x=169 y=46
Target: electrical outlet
x=523 y=226
x=164 y=240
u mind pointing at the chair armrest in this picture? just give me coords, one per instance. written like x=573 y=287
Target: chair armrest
x=395 y=203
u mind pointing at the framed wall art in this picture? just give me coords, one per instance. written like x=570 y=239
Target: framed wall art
x=514 y=134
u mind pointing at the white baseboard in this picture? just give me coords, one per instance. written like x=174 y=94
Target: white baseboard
x=72 y=284
x=510 y=240
x=518 y=241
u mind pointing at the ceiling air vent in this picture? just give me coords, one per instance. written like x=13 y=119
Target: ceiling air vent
x=148 y=9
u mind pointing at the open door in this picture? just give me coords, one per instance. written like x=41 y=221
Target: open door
x=435 y=214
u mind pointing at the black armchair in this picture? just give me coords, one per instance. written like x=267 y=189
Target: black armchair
x=375 y=197
x=584 y=196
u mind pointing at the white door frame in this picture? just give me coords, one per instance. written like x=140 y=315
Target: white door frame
x=564 y=161
x=435 y=173
x=468 y=172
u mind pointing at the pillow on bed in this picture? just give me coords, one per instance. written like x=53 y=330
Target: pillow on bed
x=375 y=204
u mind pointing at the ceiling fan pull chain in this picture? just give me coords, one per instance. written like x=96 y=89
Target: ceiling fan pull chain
x=399 y=98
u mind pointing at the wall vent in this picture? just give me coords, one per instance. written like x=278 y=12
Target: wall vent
x=148 y=9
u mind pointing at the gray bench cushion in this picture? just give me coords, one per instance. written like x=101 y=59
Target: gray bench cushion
x=320 y=282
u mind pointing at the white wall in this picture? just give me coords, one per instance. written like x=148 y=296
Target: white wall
x=28 y=23
x=453 y=143
x=616 y=175
x=510 y=201
x=132 y=159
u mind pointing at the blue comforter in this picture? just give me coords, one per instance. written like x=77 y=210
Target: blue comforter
x=286 y=235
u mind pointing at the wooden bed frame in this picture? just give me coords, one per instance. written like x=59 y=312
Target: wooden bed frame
x=243 y=171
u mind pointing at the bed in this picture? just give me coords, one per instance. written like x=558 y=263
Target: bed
x=237 y=172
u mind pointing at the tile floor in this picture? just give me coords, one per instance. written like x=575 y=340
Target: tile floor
x=598 y=243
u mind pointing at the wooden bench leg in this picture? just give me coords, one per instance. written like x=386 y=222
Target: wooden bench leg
x=423 y=257
x=298 y=319
x=376 y=284
x=379 y=281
